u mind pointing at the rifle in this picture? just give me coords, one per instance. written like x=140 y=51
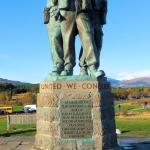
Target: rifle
x=46 y=15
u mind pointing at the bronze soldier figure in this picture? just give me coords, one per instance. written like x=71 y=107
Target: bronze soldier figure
x=98 y=17
x=54 y=32
x=67 y=17
x=76 y=14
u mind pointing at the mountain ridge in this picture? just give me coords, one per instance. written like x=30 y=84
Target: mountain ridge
x=6 y=81
x=143 y=81
x=136 y=82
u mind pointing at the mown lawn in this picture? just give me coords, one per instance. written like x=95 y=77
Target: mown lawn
x=134 y=126
x=15 y=129
x=27 y=130
x=17 y=108
x=3 y=124
x=133 y=106
x=126 y=105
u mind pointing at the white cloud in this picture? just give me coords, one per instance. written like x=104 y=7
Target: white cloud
x=128 y=76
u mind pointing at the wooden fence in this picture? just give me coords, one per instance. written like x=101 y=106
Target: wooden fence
x=21 y=119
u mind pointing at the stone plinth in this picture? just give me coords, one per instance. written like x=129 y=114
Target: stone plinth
x=75 y=115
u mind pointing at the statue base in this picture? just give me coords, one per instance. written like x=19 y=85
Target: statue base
x=75 y=115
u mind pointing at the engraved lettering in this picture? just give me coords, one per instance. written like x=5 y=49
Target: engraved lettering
x=51 y=86
x=93 y=86
x=71 y=86
x=76 y=118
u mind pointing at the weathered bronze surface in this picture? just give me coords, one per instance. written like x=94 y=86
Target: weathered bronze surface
x=67 y=18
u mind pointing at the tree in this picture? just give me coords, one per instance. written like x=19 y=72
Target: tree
x=29 y=98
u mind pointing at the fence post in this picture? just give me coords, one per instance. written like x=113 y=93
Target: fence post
x=8 y=122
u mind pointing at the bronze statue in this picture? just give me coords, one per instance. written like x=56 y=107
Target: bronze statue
x=67 y=19
x=55 y=36
x=98 y=18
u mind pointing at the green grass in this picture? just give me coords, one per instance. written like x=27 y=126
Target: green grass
x=17 y=108
x=142 y=110
x=137 y=126
x=3 y=124
x=134 y=126
x=27 y=130
x=21 y=130
x=130 y=105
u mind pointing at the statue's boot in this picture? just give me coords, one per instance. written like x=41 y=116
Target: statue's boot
x=56 y=71
x=93 y=72
x=83 y=71
x=66 y=72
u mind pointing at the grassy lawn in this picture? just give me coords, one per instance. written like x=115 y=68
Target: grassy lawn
x=15 y=129
x=27 y=130
x=134 y=126
x=133 y=106
x=142 y=110
x=126 y=105
x=3 y=125
x=17 y=108
x=138 y=125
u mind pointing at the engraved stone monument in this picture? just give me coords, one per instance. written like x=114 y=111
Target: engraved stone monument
x=75 y=115
x=75 y=112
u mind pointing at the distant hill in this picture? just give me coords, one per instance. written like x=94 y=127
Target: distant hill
x=115 y=83
x=136 y=82
x=145 y=81
x=4 y=81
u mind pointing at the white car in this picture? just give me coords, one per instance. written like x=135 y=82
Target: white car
x=30 y=108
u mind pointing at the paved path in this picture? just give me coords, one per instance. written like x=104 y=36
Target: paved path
x=16 y=143
x=26 y=142
x=135 y=143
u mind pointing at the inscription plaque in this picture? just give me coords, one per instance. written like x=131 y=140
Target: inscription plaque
x=76 y=118
x=49 y=87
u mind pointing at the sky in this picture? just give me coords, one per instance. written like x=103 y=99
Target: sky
x=25 y=49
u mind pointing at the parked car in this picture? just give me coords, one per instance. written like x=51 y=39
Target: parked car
x=6 y=109
x=1 y=112
x=30 y=108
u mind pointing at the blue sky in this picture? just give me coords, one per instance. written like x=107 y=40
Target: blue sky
x=24 y=46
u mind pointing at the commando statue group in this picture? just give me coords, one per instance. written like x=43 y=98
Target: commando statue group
x=65 y=20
